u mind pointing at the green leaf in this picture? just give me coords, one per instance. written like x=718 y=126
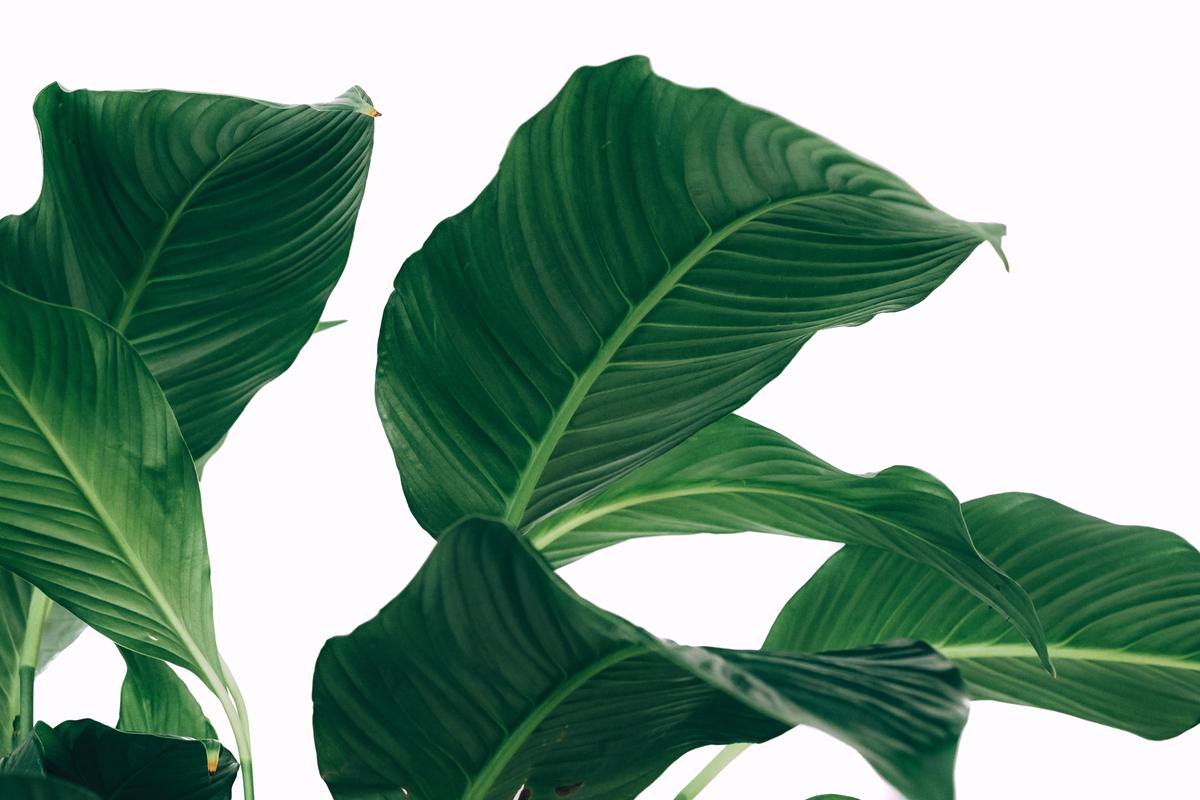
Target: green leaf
x=1121 y=605
x=488 y=674
x=325 y=325
x=95 y=474
x=32 y=787
x=154 y=700
x=208 y=230
x=647 y=257
x=738 y=476
x=60 y=629
x=136 y=766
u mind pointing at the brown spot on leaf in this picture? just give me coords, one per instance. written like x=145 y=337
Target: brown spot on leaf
x=567 y=791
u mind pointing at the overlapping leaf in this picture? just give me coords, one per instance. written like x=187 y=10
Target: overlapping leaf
x=738 y=476
x=99 y=502
x=154 y=700
x=488 y=674
x=647 y=257
x=1121 y=605
x=33 y=787
x=208 y=230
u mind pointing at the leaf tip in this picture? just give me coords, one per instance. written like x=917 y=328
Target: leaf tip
x=992 y=233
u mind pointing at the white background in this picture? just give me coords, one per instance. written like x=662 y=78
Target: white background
x=1073 y=377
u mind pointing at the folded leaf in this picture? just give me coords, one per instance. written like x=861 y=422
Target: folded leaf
x=737 y=476
x=60 y=629
x=135 y=766
x=154 y=700
x=647 y=257
x=1121 y=605
x=488 y=674
x=95 y=475
x=208 y=230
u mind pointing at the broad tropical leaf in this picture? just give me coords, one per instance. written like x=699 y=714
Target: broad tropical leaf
x=488 y=674
x=1121 y=605
x=95 y=474
x=136 y=766
x=737 y=476
x=33 y=787
x=208 y=230
x=59 y=630
x=154 y=700
x=647 y=257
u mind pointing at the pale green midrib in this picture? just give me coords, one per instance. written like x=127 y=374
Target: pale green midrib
x=209 y=675
x=979 y=652
x=542 y=539
x=583 y=384
x=482 y=783
x=124 y=313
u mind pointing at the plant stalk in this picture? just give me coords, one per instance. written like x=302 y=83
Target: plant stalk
x=239 y=719
x=720 y=762
x=31 y=647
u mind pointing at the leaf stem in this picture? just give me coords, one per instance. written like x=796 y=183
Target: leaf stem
x=722 y=760
x=239 y=719
x=31 y=647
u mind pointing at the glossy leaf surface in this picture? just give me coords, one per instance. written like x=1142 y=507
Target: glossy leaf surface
x=737 y=476
x=95 y=473
x=134 y=766
x=154 y=700
x=488 y=674
x=209 y=230
x=647 y=257
x=1121 y=605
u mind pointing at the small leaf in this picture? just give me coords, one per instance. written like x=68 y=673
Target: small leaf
x=154 y=700
x=488 y=676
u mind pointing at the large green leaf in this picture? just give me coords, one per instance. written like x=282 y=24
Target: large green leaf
x=1121 y=606
x=488 y=674
x=59 y=630
x=154 y=700
x=208 y=230
x=33 y=787
x=99 y=502
x=135 y=766
x=737 y=476
x=647 y=257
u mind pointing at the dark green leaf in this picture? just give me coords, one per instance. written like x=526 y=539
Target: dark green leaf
x=738 y=476
x=60 y=629
x=209 y=230
x=31 y=787
x=136 y=766
x=1121 y=606
x=488 y=674
x=154 y=700
x=95 y=473
x=647 y=257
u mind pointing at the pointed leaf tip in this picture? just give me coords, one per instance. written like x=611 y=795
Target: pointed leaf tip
x=992 y=233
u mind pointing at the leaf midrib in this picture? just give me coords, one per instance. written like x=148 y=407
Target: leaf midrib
x=561 y=418
x=979 y=652
x=482 y=783
x=88 y=491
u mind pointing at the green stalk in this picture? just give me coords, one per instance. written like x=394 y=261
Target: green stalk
x=240 y=721
x=711 y=771
x=31 y=646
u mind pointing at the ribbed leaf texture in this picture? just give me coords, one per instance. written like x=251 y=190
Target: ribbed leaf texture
x=737 y=476
x=208 y=230
x=647 y=257
x=1121 y=605
x=488 y=674
x=99 y=502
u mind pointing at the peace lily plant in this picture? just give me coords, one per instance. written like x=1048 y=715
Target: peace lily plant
x=558 y=369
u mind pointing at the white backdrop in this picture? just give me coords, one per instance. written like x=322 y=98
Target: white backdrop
x=1073 y=377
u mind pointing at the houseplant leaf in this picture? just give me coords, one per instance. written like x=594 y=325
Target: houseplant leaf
x=208 y=230
x=136 y=766
x=95 y=472
x=154 y=700
x=1121 y=605
x=647 y=257
x=488 y=674
x=737 y=476
x=59 y=630
x=33 y=787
